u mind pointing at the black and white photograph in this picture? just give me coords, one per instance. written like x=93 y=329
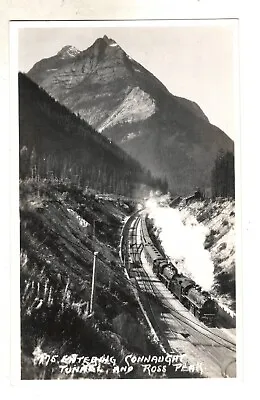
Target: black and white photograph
x=127 y=212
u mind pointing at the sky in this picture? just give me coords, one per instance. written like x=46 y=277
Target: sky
x=194 y=60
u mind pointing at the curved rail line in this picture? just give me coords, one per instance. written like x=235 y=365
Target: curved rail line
x=151 y=288
x=187 y=320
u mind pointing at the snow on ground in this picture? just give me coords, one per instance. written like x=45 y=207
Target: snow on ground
x=200 y=238
x=219 y=217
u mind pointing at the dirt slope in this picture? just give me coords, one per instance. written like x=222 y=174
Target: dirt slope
x=57 y=244
x=61 y=227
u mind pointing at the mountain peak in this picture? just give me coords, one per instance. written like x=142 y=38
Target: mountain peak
x=109 y=41
x=105 y=43
x=169 y=135
x=68 y=52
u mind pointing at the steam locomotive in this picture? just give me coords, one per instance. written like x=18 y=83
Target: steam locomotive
x=190 y=294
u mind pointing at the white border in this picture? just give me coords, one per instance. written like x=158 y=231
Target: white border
x=14 y=30
x=14 y=210
x=124 y=23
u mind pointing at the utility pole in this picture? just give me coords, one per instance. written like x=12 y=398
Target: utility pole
x=93 y=283
x=94 y=230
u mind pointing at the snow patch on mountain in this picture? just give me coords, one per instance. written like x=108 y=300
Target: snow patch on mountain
x=68 y=52
x=137 y=106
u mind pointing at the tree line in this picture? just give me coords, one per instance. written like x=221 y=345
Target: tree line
x=223 y=175
x=56 y=143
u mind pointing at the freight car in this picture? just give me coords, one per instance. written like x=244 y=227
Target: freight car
x=183 y=288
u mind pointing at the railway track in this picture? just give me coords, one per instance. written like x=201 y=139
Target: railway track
x=145 y=290
x=177 y=328
x=200 y=336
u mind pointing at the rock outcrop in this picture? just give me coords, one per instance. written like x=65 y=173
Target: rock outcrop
x=169 y=135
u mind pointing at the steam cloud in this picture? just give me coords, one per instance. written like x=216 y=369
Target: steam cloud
x=182 y=238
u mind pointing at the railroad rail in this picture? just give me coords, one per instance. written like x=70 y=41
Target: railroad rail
x=215 y=345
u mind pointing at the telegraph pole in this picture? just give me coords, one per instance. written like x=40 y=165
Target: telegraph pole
x=94 y=231
x=93 y=270
x=93 y=283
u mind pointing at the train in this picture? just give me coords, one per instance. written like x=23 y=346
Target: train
x=191 y=295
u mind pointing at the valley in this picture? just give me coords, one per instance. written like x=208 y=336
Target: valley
x=106 y=152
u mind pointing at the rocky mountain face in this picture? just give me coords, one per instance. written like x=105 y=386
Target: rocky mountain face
x=169 y=135
x=55 y=144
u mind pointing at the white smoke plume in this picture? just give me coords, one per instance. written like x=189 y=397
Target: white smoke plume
x=182 y=238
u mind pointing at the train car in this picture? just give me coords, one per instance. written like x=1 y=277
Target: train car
x=144 y=232
x=153 y=256
x=179 y=286
x=151 y=252
x=182 y=287
x=158 y=265
x=202 y=305
x=167 y=274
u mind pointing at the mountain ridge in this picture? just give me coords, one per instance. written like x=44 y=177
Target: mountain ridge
x=57 y=144
x=121 y=99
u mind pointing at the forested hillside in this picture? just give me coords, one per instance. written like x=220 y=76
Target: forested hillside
x=56 y=143
x=223 y=176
